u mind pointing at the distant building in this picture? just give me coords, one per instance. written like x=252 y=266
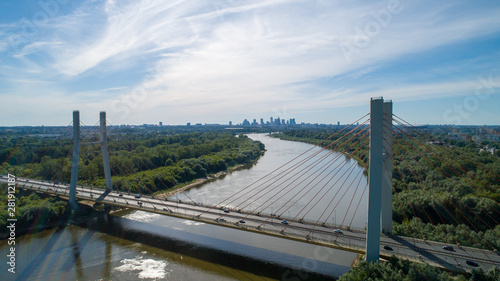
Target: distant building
x=246 y=122
x=230 y=123
x=188 y=124
x=261 y=121
x=161 y=124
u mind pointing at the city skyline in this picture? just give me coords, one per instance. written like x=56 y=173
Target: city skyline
x=221 y=60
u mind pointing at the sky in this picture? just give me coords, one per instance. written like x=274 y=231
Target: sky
x=215 y=61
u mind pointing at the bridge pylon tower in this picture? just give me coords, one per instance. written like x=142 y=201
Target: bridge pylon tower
x=76 y=157
x=380 y=176
x=387 y=170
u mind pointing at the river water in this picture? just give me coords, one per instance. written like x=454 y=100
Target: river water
x=319 y=189
x=135 y=245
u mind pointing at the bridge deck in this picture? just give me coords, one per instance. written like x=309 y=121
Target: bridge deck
x=404 y=247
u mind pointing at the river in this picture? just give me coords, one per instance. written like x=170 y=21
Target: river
x=132 y=245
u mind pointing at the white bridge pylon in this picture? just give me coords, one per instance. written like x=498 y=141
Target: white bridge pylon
x=76 y=157
x=380 y=176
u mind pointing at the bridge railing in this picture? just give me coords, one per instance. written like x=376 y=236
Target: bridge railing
x=269 y=215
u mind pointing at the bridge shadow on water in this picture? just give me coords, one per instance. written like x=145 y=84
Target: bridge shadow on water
x=258 y=261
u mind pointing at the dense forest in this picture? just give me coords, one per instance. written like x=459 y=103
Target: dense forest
x=154 y=159
x=145 y=163
x=443 y=189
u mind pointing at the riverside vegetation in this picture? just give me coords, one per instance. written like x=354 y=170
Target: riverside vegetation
x=145 y=163
x=458 y=205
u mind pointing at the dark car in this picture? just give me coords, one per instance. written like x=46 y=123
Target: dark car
x=121 y=195
x=472 y=263
x=242 y=221
x=137 y=196
x=226 y=211
x=284 y=222
x=388 y=248
x=449 y=248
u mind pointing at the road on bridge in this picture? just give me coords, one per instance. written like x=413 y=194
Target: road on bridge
x=415 y=249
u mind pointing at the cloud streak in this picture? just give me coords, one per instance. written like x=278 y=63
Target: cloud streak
x=222 y=58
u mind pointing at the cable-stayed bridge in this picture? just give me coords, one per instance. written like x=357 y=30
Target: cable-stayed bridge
x=370 y=141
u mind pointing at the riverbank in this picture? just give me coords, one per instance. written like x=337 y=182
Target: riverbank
x=201 y=181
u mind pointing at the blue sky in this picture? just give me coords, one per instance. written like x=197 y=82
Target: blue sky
x=213 y=61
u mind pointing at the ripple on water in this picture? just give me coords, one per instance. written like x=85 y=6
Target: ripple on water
x=188 y=222
x=142 y=216
x=148 y=268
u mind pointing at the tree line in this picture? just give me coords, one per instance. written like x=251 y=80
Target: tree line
x=145 y=163
x=443 y=191
x=172 y=159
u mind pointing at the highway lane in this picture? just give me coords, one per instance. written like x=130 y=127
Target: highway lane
x=306 y=231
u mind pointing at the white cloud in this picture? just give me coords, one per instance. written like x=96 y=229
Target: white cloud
x=228 y=57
